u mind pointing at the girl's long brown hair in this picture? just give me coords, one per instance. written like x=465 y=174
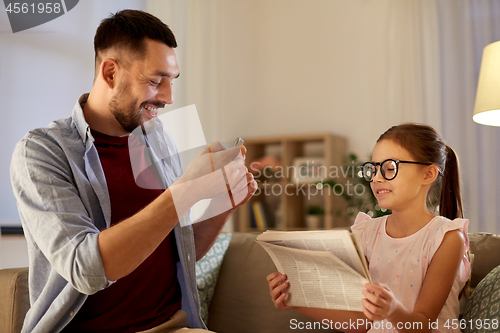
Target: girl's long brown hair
x=426 y=145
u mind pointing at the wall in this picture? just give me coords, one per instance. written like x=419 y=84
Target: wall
x=43 y=71
x=13 y=251
x=296 y=67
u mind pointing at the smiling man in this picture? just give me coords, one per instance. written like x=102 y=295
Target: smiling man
x=107 y=255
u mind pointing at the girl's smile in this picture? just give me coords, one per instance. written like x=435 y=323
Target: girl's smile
x=381 y=192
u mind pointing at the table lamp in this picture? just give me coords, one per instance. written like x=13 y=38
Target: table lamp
x=487 y=107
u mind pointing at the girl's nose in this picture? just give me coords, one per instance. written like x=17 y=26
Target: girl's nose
x=377 y=176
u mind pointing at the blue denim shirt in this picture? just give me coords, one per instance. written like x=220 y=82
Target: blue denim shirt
x=63 y=204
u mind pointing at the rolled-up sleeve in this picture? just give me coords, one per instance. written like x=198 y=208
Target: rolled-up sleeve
x=54 y=213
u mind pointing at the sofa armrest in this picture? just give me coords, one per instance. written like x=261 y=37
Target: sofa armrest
x=14 y=299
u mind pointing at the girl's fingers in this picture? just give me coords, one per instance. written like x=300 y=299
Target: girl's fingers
x=272 y=276
x=375 y=288
x=371 y=309
x=367 y=313
x=376 y=300
x=275 y=276
x=276 y=292
x=369 y=296
x=276 y=280
x=280 y=301
x=366 y=310
x=277 y=286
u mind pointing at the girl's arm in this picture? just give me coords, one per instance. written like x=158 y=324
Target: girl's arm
x=380 y=302
x=350 y=321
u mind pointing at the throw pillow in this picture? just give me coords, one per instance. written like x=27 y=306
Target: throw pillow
x=207 y=271
x=482 y=313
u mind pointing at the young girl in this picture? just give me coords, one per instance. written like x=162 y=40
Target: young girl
x=416 y=259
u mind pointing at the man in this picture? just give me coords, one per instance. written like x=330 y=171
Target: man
x=107 y=255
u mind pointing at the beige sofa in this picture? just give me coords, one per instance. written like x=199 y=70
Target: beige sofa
x=241 y=302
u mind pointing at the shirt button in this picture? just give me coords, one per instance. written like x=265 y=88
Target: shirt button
x=189 y=257
x=71 y=313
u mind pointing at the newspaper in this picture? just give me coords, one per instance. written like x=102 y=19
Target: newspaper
x=325 y=269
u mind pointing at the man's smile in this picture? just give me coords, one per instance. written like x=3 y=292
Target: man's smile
x=150 y=110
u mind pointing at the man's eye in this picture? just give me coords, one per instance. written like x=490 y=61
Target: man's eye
x=154 y=83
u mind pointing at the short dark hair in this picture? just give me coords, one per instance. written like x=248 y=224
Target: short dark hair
x=127 y=30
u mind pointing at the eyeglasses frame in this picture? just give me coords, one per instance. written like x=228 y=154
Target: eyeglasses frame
x=379 y=164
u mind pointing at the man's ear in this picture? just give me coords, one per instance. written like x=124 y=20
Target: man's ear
x=109 y=69
x=431 y=173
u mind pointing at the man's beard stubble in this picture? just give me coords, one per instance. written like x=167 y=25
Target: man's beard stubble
x=126 y=114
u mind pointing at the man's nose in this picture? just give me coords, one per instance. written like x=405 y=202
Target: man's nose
x=166 y=94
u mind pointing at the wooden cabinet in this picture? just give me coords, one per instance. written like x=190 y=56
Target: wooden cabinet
x=286 y=191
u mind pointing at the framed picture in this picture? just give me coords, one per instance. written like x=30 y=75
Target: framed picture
x=309 y=169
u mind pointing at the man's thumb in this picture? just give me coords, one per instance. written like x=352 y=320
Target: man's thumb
x=216 y=146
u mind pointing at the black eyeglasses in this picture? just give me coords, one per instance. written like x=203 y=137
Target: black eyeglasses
x=388 y=168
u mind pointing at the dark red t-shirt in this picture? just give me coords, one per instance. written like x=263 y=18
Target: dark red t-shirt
x=150 y=294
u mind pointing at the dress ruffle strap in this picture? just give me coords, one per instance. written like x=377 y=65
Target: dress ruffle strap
x=360 y=222
x=462 y=226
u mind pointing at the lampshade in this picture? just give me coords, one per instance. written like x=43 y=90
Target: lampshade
x=487 y=107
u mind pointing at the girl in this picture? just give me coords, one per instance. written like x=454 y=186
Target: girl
x=416 y=259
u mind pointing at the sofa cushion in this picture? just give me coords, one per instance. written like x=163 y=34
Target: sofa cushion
x=483 y=308
x=207 y=271
x=14 y=299
x=241 y=302
x=485 y=248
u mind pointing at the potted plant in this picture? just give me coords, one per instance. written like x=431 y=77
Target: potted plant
x=314 y=217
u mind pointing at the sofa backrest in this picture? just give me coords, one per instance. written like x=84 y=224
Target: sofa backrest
x=486 y=250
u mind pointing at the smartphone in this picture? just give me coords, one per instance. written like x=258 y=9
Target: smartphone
x=238 y=142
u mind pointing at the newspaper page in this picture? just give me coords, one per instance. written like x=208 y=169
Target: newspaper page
x=341 y=243
x=317 y=279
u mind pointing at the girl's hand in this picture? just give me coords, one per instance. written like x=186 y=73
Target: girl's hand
x=380 y=302
x=277 y=286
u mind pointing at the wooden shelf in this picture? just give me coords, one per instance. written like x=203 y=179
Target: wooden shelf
x=284 y=194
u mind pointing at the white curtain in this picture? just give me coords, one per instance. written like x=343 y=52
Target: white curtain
x=465 y=28
x=412 y=63
x=194 y=26
x=433 y=56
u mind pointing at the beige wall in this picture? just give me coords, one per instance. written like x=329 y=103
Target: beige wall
x=263 y=67
x=297 y=67
x=13 y=251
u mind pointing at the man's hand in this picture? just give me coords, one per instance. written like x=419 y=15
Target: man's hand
x=218 y=174
x=208 y=173
x=242 y=189
x=210 y=159
x=221 y=207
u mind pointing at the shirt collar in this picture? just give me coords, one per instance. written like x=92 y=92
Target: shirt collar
x=79 y=119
